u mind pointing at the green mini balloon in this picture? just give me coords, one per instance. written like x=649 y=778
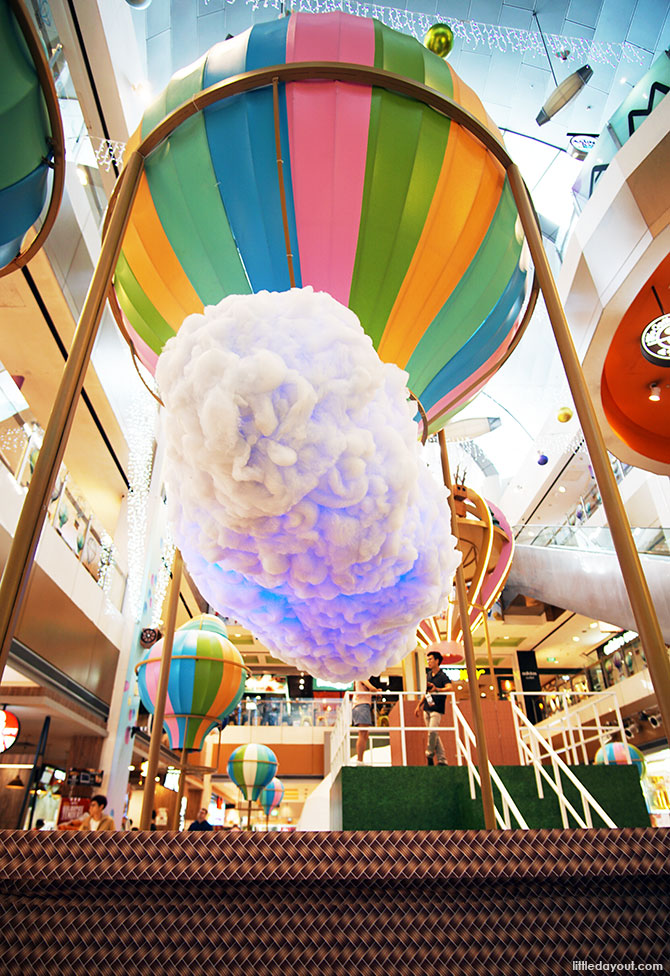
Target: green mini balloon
x=440 y=40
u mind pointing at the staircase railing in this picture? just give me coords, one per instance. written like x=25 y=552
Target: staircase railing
x=537 y=751
x=465 y=741
x=342 y=750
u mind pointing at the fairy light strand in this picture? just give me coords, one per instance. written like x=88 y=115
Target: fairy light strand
x=471 y=32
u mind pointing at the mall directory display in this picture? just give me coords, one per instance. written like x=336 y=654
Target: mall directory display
x=206 y=682
x=393 y=209
x=252 y=768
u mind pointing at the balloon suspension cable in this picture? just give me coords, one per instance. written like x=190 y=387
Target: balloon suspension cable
x=424 y=418
x=280 y=177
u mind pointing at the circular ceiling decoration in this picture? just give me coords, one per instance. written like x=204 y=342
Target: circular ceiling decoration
x=655 y=341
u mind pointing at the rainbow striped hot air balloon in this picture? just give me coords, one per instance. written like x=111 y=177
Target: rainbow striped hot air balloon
x=396 y=211
x=207 y=678
x=271 y=796
x=29 y=129
x=252 y=768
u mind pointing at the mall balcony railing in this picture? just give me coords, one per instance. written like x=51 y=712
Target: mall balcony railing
x=69 y=514
x=379 y=749
x=651 y=540
x=296 y=712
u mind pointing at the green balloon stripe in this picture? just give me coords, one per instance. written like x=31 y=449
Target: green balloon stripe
x=140 y=311
x=470 y=303
x=185 y=193
x=23 y=114
x=406 y=146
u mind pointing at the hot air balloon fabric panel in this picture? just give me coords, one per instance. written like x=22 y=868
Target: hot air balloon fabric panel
x=271 y=796
x=251 y=768
x=206 y=682
x=393 y=209
x=328 y=134
x=24 y=138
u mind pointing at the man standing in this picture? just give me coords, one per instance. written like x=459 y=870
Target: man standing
x=433 y=708
x=201 y=822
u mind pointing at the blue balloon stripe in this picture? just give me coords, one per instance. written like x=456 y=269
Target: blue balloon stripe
x=481 y=345
x=247 y=177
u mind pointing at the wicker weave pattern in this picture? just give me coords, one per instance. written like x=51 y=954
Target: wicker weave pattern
x=502 y=903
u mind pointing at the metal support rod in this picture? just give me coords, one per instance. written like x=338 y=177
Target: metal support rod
x=249 y=816
x=468 y=646
x=32 y=779
x=33 y=513
x=489 y=653
x=161 y=695
x=631 y=569
x=182 y=782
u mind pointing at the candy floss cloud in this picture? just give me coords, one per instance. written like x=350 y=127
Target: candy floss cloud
x=296 y=489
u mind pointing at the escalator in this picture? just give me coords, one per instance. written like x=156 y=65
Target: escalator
x=575 y=567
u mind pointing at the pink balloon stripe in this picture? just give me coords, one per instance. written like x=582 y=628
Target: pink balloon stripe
x=328 y=135
x=477 y=377
x=145 y=352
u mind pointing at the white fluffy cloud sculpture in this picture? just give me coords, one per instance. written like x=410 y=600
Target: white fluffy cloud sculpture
x=296 y=490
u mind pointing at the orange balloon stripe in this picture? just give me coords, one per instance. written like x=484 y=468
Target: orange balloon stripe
x=466 y=97
x=455 y=227
x=230 y=681
x=154 y=263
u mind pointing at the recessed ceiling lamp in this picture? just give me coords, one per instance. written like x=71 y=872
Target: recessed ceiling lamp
x=567 y=89
x=654 y=392
x=575 y=638
x=562 y=489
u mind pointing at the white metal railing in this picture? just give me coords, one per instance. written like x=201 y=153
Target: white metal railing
x=343 y=748
x=577 y=725
x=536 y=750
x=465 y=740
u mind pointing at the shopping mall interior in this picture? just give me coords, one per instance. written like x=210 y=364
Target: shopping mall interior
x=554 y=676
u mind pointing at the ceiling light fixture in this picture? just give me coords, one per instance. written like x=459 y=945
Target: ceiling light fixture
x=655 y=392
x=16 y=783
x=562 y=489
x=567 y=89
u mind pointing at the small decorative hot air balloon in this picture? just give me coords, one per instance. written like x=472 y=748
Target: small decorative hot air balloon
x=252 y=768
x=392 y=208
x=206 y=621
x=31 y=134
x=620 y=754
x=271 y=796
x=207 y=678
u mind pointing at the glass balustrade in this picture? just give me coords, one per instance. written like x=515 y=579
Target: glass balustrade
x=649 y=540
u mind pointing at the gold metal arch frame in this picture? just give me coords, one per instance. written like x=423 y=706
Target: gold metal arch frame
x=22 y=552
x=57 y=137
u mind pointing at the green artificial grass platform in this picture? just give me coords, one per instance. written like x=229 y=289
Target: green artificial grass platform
x=438 y=797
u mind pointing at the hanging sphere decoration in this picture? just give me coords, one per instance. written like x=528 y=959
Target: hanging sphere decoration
x=440 y=40
x=542 y=460
x=564 y=415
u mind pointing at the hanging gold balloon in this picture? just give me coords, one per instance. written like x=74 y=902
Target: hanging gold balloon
x=440 y=40
x=563 y=415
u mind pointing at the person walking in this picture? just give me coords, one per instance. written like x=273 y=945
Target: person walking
x=433 y=708
x=361 y=715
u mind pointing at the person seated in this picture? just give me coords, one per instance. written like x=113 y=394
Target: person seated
x=96 y=818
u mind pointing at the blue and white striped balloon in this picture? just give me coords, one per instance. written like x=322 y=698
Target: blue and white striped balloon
x=251 y=768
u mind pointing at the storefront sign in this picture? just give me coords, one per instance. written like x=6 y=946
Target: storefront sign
x=619 y=641
x=9 y=729
x=655 y=341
